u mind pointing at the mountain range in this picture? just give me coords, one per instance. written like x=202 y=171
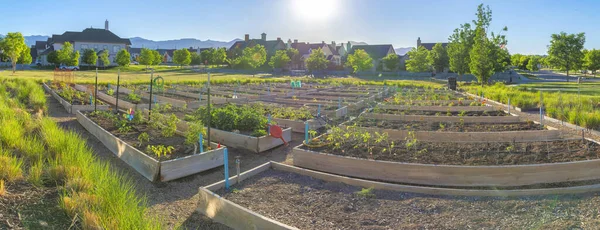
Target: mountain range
x=138 y=42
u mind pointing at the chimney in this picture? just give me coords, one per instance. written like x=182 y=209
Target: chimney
x=333 y=43
x=418 y=42
x=323 y=42
x=263 y=36
x=278 y=39
x=348 y=46
x=106 y=24
x=246 y=37
x=295 y=40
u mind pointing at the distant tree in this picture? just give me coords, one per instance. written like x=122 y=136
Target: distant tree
x=565 y=51
x=53 y=58
x=532 y=63
x=123 y=58
x=461 y=43
x=104 y=58
x=523 y=61
x=359 y=61
x=438 y=57
x=592 y=60
x=218 y=56
x=90 y=57
x=485 y=51
x=279 y=60
x=391 y=62
x=182 y=57
x=316 y=60
x=13 y=45
x=515 y=60
x=295 y=57
x=196 y=60
x=502 y=60
x=158 y=58
x=252 y=57
x=206 y=56
x=66 y=54
x=25 y=58
x=417 y=61
x=146 y=57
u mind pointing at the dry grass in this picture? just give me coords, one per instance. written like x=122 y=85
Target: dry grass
x=2 y=188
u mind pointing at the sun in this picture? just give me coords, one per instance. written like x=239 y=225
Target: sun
x=315 y=10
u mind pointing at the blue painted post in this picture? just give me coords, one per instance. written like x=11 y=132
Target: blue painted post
x=269 y=124
x=319 y=111
x=226 y=165
x=306 y=132
x=155 y=101
x=339 y=102
x=91 y=100
x=200 y=142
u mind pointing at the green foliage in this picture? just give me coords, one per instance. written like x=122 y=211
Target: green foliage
x=316 y=60
x=417 y=61
x=146 y=57
x=53 y=58
x=192 y=134
x=158 y=58
x=461 y=42
x=123 y=58
x=360 y=61
x=195 y=59
x=169 y=124
x=67 y=55
x=104 y=58
x=143 y=138
x=160 y=150
x=280 y=59
x=134 y=98
x=110 y=91
x=233 y=117
x=206 y=56
x=438 y=57
x=295 y=57
x=13 y=45
x=252 y=57
x=591 y=61
x=482 y=64
x=25 y=57
x=532 y=64
x=182 y=57
x=391 y=62
x=565 y=50
x=366 y=193
x=90 y=57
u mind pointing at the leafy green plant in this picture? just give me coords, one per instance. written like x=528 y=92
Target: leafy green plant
x=160 y=150
x=169 y=125
x=366 y=193
x=134 y=98
x=143 y=138
x=110 y=92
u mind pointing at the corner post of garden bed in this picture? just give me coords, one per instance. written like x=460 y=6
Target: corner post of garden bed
x=118 y=83
x=96 y=91
x=151 y=83
x=209 y=116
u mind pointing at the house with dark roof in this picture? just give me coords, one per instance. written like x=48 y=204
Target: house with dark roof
x=429 y=46
x=90 y=38
x=271 y=46
x=376 y=52
x=305 y=49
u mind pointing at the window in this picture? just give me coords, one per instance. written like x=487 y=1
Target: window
x=95 y=47
x=105 y=47
x=116 y=49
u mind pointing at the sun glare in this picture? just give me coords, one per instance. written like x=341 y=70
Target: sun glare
x=315 y=10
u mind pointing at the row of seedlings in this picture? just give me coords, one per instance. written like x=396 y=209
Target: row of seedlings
x=71 y=99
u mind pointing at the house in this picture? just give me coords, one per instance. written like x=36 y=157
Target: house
x=429 y=46
x=91 y=38
x=135 y=53
x=376 y=52
x=167 y=55
x=271 y=46
x=305 y=49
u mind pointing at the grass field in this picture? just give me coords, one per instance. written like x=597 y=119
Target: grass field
x=587 y=88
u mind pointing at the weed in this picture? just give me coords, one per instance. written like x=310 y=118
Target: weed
x=134 y=98
x=160 y=150
x=35 y=174
x=110 y=92
x=442 y=126
x=366 y=193
x=143 y=138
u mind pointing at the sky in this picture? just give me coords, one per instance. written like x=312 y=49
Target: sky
x=398 y=22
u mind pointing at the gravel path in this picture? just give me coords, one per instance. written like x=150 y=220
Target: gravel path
x=173 y=202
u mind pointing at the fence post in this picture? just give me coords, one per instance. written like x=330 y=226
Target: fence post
x=200 y=142
x=541 y=110
x=96 y=91
x=226 y=167
x=118 y=83
x=306 y=132
x=509 y=105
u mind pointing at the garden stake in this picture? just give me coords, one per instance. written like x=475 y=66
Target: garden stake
x=269 y=124
x=96 y=91
x=541 y=110
x=226 y=166
x=237 y=169
x=92 y=100
x=509 y=105
x=200 y=142
x=319 y=111
x=339 y=102
x=150 y=104
x=118 y=83
x=208 y=106
x=306 y=132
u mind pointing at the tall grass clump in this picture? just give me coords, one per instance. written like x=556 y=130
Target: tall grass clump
x=11 y=167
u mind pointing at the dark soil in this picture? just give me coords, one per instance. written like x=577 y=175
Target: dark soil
x=175 y=96
x=131 y=137
x=447 y=126
x=308 y=203
x=25 y=206
x=433 y=113
x=456 y=153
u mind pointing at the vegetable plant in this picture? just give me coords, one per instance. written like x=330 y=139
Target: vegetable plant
x=160 y=150
x=143 y=138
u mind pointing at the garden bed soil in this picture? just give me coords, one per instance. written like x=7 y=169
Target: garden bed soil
x=447 y=126
x=433 y=113
x=308 y=203
x=174 y=96
x=124 y=97
x=456 y=153
x=131 y=138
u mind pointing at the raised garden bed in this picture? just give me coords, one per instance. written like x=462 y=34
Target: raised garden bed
x=139 y=146
x=146 y=97
x=308 y=199
x=111 y=100
x=445 y=126
x=464 y=113
x=443 y=118
x=439 y=108
x=79 y=100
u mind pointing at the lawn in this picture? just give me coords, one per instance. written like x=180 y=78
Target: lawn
x=587 y=88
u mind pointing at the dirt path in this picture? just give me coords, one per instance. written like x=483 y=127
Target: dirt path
x=173 y=202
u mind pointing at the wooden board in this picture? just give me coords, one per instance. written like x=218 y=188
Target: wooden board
x=244 y=175
x=448 y=175
x=234 y=140
x=435 y=190
x=189 y=165
x=507 y=136
x=439 y=108
x=298 y=126
x=268 y=142
x=72 y=109
x=125 y=105
x=144 y=164
x=465 y=119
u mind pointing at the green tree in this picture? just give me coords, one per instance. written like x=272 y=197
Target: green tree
x=218 y=56
x=90 y=57
x=182 y=57
x=565 y=51
x=532 y=64
x=206 y=56
x=196 y=60
x=13 y=46
x=438 y=57
x=417 y=60
x=252 y=57
x=502 y=60
x=158 y=58
x=316 y=60
x=515 y=60
x=53 y=58
x=592 y=60
x=391 y=62
x=359 y=61
x=123 y=58
x=146 y=57
x=295 y=57
x=25 y=58
x=524 y=61
x=461 y=43
x=104 y=58
x=485 y=52
x=279 y=60
x=66 y=54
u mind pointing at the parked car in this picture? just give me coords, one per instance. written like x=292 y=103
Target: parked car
x=65 y=67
